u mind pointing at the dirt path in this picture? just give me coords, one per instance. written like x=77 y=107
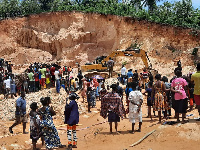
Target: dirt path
x=93 y=133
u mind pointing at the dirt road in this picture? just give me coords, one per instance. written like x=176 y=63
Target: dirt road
x=93 y=133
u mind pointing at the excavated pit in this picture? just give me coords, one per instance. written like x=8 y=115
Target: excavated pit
x=72 y=37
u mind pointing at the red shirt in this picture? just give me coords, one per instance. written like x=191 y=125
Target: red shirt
x=52 y=70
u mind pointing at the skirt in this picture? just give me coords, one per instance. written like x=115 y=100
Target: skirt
x=181 y=105
x=113 y=117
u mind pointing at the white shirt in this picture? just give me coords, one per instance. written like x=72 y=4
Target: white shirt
x=123 y=71
x=57 y=75
x=7 y=82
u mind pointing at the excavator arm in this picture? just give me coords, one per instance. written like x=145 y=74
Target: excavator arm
x=140 y=53
x=127 y=52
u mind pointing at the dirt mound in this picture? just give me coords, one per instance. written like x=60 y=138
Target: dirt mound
x=78 y=37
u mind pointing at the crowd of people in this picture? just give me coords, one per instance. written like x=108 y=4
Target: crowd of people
x=161 y=95
x=37 y=77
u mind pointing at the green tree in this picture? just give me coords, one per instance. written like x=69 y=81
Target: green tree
x=30 y=7
x=46 y=4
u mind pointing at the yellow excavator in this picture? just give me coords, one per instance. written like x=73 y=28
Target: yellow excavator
x=100 y=63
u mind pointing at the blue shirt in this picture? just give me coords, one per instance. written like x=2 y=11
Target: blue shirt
x=21 y=103
x=129 y=74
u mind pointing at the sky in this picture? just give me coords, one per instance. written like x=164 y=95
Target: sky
x=195 y=3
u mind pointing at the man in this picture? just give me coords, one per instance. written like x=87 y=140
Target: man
x=135 y=76
x=52 y=71
x=1 y=83
x=31 y=81
x=20 y=113
x=57 y=77
x=112 y=104
x=43 y=76
x=145 y=75
x=7 y=86
x=130 y=73
x=110 y=66
x=80 y=77
x=196 y=79
x=123 y=73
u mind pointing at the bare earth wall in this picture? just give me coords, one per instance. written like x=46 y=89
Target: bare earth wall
x=79 y=37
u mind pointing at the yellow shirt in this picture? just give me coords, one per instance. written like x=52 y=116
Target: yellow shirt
x=73 y=82
x=196 y=78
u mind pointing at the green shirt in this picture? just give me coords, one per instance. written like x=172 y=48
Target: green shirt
x=31 y=76
x=43 y=70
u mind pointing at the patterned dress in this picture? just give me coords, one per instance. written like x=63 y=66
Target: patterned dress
x=50 y=133
x=33 y=129
x=112 y=102
x=159 y=99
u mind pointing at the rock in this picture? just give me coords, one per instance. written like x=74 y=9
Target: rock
x=15 y=146
x=86 y=116
x=3 y=148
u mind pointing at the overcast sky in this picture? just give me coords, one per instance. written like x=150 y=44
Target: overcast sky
x=195 y=3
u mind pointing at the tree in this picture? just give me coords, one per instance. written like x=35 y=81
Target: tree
x=46 y=4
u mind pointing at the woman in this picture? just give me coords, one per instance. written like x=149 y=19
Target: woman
x=71 y=119
x=178 y=86
x=158 y=93
x=50 y=133
x=135 y=102
x=84 y=89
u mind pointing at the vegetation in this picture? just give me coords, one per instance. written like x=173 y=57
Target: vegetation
x=136 y=45
x=179 y=13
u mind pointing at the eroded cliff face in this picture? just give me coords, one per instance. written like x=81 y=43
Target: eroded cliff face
x=78 y=37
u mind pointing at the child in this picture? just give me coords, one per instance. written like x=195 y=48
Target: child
x=127 y=91
x=149 y=102
x=135 y=110
x=71 y=118
x=34 y=124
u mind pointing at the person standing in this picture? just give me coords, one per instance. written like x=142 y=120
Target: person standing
x=158 y=95
x=34 y=124
x=123 y=74
x=130 y=73
x=52 y=71
x=145 y=75
x=57 y=77
x=111 y=106
x=43 y=77
x=178 y=86
x=50 y=133
x=80 y=77
x=7 y=86
x=31 y=81
x=149 y=102
x=110 y=66
x=37 y=83
x=135 y=110
x=71 y=119
x=20 y=113
x=84 y=89
x=195 y=78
